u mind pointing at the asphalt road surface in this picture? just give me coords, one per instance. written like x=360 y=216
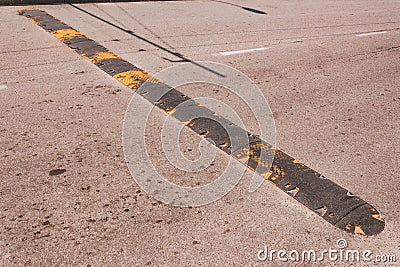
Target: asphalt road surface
x=328 y=69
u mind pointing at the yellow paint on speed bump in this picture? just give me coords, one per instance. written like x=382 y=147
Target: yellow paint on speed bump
x=132 y=78
x=35 y=21
x=358 y=230
x=99 y=56
x=248 y=153
x=378 y=217
x=267 y=174
x=67 y=34
x=170 y=111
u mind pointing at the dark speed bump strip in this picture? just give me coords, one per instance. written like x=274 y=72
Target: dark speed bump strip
x=329 y=200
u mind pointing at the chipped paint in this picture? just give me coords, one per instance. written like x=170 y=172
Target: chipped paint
x=170 y=111
x=295 y=161
x=294 y=191
x=99 y=56
x=67 y=34
x=321 y=211
x=358 y=230
x=278 y=170
x=244 y=159
x=34 y=20
x=133 y=78
x=378 y=217
x=266 y=175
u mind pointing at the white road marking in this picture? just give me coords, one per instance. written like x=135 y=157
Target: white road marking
x=370 y=33
x=229 y=53
x=3 y=87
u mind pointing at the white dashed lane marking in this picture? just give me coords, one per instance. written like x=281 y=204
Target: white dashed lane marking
x=370 y=33
x=3 y=86
x=230 y=53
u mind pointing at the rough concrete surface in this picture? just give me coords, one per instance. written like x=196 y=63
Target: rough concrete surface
x=335 y=98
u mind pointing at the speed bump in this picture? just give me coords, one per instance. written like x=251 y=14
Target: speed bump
x=330 y=201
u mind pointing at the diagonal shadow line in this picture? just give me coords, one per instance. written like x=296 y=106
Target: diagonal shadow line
x=256 y=11
x=144 y=26
x=183 y=58
x=137 y=21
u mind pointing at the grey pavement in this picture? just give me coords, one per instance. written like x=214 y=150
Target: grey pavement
x=329 y=70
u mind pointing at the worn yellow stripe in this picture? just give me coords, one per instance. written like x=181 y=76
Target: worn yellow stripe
x=170 y=111
x=35 y=21
x=253 y=153
x=66 y=34
x=99 y=56
x=20 y=11
x=266 y=174
x=358 y=230
x=132 y=78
